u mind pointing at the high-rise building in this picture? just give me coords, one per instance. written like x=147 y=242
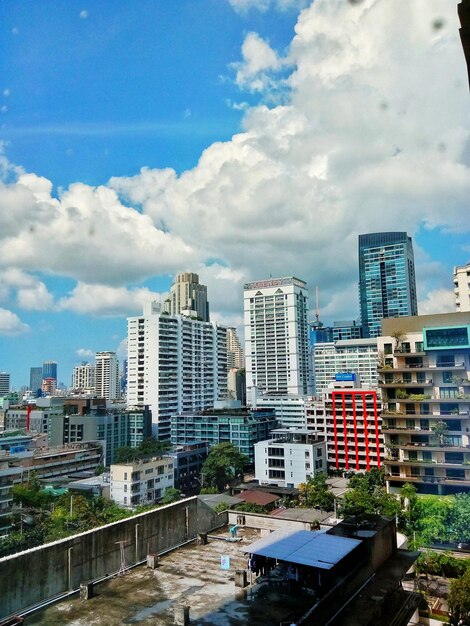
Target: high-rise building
x=83 y=376
x=107 y=375
x=349 y=355
x=49 y=371
x=188 y=296
x=235 y=356
x=462 y=287
x=276 y=336
x=4 y=383
x=387 y=283
x=176 y=364
x=425 y=383
x=35 y=380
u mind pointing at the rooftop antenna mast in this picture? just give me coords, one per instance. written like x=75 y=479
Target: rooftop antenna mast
x=317 y=317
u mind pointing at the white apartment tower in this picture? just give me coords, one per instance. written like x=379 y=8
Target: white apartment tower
x=462 y=287
x=235 y=356
x=176 y=364
x=276 y=336
x=187 y=296
x=83 y=376
x=107 y=375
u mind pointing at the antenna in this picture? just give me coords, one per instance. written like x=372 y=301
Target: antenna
x=316 y=305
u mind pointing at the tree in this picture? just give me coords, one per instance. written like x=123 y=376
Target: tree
x=223 y=463
x=440 y=430
x=315 y=493
x=459 y=599
x=171 y=495
x=251 y=507
x=399 y=337
x=459 y=523
x=367 y=494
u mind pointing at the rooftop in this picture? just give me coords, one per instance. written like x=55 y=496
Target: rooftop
x=191 y=576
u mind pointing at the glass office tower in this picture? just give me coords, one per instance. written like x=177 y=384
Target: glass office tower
x=387 y=283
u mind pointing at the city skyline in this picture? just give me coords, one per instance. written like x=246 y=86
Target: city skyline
x=260 y=141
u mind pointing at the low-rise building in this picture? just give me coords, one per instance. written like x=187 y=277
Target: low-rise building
x=188 y=460
x=242 y=427
x=290 y=457
x=141 y=482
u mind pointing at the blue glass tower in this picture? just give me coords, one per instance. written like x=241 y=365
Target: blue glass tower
x=49 y=370
x=387 y=283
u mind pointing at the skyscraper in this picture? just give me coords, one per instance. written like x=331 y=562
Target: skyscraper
x=188 y=295
x=176 y=364
x=35 y=380
x=107 y=375
x=276 y=336
x=83 y=376
x=4 y=383
x=387 y=284
x=235 y=356
x=49 y=370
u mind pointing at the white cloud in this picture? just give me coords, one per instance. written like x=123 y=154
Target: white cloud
x=31 y=293
x=438 y=301
x=85 y=353
x=6 y=93
x=88 y=234
x=243 y=6
x=83 y=14
x=121 y=350
x=371 y=136
x=106 y=301
x=10 y=324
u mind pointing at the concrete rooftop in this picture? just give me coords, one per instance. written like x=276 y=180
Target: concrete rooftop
x=188 y=576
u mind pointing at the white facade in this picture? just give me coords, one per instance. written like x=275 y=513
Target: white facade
x=358 y=356
x=291 y=457
x=276 y=336
x=83 y=376
x=175 y=364
x=141 y=482
x=462 y=287
x=291 y=411
x=107 y=375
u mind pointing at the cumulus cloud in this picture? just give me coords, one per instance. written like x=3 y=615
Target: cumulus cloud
x=85 y=353
x=87 y=232
x=437 y=301
x=259 y=63
x=30 y=292
x=10 y=324
x=372 y=138
x=372 y=135
x=106 y=301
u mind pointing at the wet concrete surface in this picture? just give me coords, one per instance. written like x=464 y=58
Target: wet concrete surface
x=189 y=576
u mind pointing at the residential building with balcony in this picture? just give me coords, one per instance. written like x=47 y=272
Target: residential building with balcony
x=290 y=410
x=141 y=482
x=425 y=386
x=276 y=337
x=175 y=364
x=291 y=456
x=242 y=427
x=462 y=287
x=352 y=425
x=358 y=356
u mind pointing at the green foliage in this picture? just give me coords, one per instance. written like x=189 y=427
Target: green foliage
x=431 y=519
x=459 y=599
x=150 y=446
x=171 y=495
x=222 y=465
x=440 y=430
x=368 y=495
x=209 y=490
x=221 y=507
x=315 y=494
x=251 y=507
x=441 y=564
x=99 y=469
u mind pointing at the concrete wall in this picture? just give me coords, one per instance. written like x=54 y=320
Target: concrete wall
x=35 y=575
x=265 y=522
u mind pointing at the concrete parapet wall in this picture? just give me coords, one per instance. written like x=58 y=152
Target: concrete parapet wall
x=265 y=522
x=30 y=577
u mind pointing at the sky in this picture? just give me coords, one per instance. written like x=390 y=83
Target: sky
x=235 y=138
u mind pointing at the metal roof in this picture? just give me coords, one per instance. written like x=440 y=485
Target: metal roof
x=304 y=547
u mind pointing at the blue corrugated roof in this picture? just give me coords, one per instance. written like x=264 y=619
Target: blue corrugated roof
x=304 y=547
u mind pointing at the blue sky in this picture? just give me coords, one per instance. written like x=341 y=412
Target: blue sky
x=233 y=138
